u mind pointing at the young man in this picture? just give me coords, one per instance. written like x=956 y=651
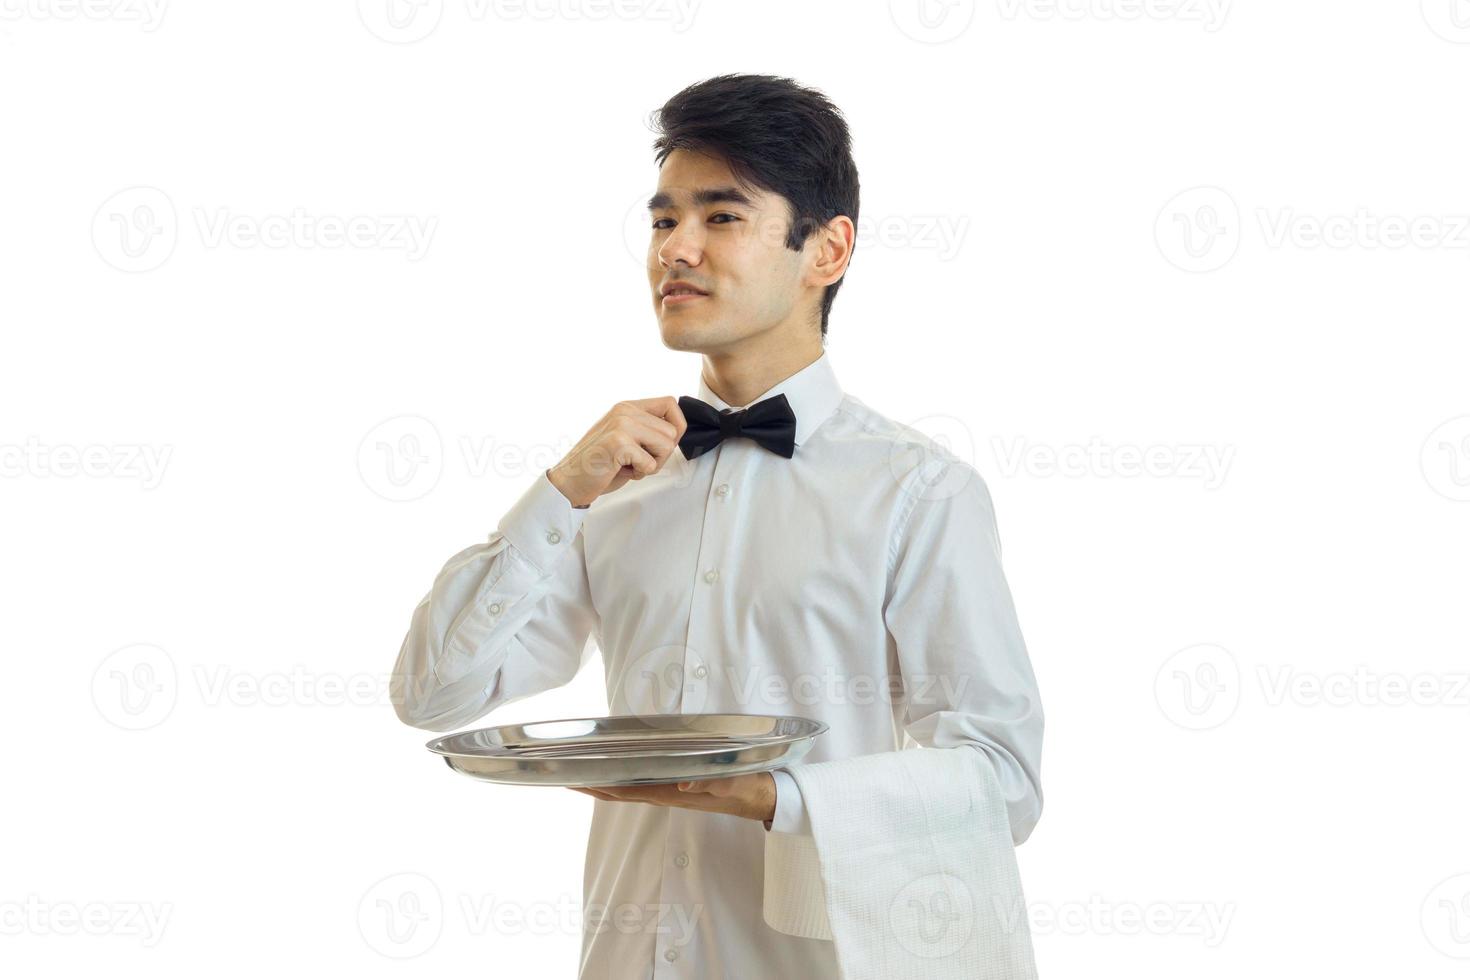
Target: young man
x=775 y=547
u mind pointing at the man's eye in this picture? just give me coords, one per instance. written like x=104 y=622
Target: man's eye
x=658 y=224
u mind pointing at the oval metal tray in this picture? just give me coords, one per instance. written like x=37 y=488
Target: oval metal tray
x=628 y=750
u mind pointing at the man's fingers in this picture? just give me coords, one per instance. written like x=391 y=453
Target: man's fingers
x=665 y=407
x=641 y=447
x=632 y=455
x=653 y=435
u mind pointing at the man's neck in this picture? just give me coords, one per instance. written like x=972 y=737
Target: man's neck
x=741 y=378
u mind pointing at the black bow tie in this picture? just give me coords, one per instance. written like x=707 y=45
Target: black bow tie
x=771 y=423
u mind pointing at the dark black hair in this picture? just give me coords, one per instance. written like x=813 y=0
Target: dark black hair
x=776 y=136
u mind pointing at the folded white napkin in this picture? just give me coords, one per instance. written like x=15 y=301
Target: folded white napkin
x=910 y=868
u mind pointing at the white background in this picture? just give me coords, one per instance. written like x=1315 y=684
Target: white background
x=1094 y=232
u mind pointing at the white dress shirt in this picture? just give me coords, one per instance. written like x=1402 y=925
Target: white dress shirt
x=857 y=583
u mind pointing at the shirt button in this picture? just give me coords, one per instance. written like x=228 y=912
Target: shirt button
x=723 y=489
x=681 y=860
x=701 y=670
x=711 y=575
x=553 y=536
x=671 y=955
x=495 y=609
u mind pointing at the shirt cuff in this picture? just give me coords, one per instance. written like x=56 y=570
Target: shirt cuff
x=542 y=523
x=791 y=816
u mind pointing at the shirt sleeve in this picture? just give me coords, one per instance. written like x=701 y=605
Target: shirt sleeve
x=791 y=816
x=503 y=620
x=967 y=678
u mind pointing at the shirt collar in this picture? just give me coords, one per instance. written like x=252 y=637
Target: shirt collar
x=812 y=392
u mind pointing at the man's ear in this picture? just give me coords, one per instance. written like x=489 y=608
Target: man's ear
x=835 y=241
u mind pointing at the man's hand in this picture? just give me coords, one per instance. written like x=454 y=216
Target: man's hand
x=633 y=440
x=752 y=795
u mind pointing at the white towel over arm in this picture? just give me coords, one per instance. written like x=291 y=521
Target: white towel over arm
x=910 y=866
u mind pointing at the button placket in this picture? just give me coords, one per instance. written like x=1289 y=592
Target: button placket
x=675 y=890
x=699 y=640
x=713 y=538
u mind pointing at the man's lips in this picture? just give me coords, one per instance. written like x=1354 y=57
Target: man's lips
x=682 y=294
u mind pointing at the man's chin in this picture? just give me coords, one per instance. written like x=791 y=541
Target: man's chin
x=679 y=335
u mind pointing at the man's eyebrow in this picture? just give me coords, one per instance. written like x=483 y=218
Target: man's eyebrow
x=704 y=195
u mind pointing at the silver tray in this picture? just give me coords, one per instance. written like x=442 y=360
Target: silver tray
x=628 y=750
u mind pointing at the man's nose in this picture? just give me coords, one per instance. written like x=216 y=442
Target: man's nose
x=681 y=246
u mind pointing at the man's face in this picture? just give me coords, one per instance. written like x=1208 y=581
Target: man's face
x=729 y=243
